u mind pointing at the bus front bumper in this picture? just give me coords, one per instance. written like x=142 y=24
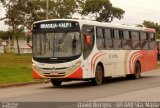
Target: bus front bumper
x=70 y=74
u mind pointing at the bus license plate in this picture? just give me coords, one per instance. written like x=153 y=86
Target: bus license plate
x=54 y=73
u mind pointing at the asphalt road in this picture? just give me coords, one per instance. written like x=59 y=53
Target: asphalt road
x=118 y=89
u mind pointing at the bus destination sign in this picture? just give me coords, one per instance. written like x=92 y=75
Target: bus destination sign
x=56 y=25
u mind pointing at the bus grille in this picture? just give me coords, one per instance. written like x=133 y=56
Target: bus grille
x=53 y=74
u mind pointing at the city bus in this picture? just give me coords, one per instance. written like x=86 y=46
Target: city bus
x=71 y=49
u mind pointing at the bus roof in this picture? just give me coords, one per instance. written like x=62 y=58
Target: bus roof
x=103 y=24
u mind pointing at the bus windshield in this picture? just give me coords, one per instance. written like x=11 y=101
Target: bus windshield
x=56 y=45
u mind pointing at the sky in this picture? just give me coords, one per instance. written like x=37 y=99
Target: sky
x=2 y=14
x=136 y=11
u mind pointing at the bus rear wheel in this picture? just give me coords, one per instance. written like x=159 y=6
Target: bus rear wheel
x=56 y=83
x=98 y=80
x=137 y=71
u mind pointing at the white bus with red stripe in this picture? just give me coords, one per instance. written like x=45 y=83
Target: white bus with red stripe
x=69 y=49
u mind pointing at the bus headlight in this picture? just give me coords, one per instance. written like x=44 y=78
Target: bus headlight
x=36 y=67
x=78 y=64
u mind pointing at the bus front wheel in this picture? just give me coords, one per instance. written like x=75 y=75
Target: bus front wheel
x=56 y=83
x=98 y=80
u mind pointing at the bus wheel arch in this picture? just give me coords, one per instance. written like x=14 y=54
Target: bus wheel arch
x=99 y=75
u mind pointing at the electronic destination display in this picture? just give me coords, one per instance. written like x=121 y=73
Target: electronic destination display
x=56 y=25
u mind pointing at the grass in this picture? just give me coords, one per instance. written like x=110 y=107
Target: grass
x=15 y=68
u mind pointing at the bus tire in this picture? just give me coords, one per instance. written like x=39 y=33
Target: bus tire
x=137 y=71
x=56 y=83
x=99 y=76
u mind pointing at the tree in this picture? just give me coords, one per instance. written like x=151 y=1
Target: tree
x=102 y=10
x=154 y=25
x=6 y=34
x=59 y=8
x=16 y=11
x=21 y=14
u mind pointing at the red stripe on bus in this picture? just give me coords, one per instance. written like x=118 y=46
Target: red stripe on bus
x=36 y=75
x=93 y=59
x=78 y=74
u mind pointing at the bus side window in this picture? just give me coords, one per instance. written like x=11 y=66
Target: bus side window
x=108 y=39
x=136 y=44
x=117 y=39
x=152 y=41
x=100 y=39
x=126 y=42
x=144 y=40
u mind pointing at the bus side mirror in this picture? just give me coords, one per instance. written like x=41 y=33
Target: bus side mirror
x=28 y=35
x=88 y=39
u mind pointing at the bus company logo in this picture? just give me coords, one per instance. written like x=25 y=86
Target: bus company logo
x=112 y=56
x=53 y=68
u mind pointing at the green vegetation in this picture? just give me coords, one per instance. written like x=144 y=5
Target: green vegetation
x=102 y=10
x=15 y=68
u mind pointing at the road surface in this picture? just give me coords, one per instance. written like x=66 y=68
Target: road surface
x=118 y=89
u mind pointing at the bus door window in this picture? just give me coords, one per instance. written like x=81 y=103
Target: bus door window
x=87 y=47
x=87 y=31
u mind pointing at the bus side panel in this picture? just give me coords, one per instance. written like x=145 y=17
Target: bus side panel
x=152 y=58
x=147 y=59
